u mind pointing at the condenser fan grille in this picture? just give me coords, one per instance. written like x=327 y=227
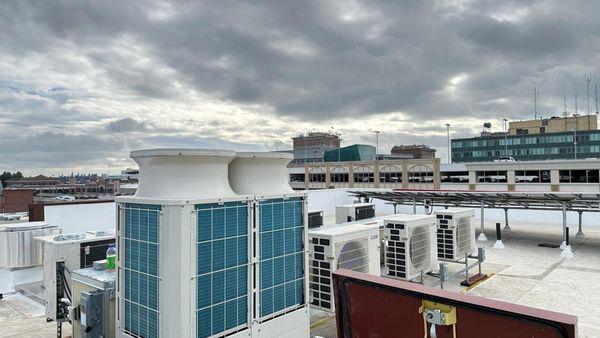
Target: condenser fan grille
x=353 y=256
x=420 y=248
x=464 y=235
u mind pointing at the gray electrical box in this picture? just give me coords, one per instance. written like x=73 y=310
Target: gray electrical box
x=93 y=310
x=92 y=314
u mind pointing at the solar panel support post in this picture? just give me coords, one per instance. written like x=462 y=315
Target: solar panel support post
x=567 y=252
x=580 y=233
x=498 y=244
x=443 y=274
x=482 y=237
x=506 y=226
x=563 y=245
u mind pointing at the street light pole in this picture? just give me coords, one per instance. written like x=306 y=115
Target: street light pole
x=504 y=121
x=575 y=135
x=449 y=149
x=376 y=143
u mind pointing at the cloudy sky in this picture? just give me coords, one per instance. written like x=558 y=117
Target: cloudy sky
x=83 y=83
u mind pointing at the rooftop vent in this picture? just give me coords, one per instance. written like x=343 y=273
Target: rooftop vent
x=260 y=173
x=183 y=173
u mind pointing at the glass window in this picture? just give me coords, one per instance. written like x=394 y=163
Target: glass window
x=390 y=177
x=296 y=177
x=339 y=177
x=578 y=176
x=364 y=177
x=316 y=177
x=532 y=176
x=593 y=176
x=564 y=176
x=545 y=176
x=454 y=176
x=490 y=176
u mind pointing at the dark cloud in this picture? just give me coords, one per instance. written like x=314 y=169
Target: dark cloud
x=57 y=149
x=315 y=61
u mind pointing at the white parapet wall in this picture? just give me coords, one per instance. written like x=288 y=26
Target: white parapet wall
x=81 y=217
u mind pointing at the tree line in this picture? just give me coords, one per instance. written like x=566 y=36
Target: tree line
x=8 y=176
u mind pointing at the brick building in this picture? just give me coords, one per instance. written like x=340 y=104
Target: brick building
x=16 y=200
x=415 y=150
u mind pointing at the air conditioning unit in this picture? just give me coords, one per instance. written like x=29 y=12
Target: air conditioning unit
x=455 y=233
x=354 y=212
x=410 y=245
x=212 y=245
x=315 y=219
x=64 y=253
x=353 y=247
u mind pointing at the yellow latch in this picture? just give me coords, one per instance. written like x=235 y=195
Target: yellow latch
x=437 y=314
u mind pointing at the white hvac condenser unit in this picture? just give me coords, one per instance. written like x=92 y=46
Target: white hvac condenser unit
x=354 y=247
x=455 y=233
x=354 y=212
x=65 y=253
x=199 y=256
x=410 y=244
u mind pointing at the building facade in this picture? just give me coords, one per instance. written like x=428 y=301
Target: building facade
x=553 y=125
x=524 y=147
x=316 y=139
x=534 y=140
x=16 y=199
x=414 y=150
x=550 y=176
x=395 y=174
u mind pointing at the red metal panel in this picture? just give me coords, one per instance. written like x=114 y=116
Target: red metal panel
x=371 y=306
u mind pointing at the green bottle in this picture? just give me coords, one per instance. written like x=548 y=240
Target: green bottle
x=111 y=256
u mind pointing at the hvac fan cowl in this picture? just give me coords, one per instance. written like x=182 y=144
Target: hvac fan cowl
x=180 y=173
x=260 y=173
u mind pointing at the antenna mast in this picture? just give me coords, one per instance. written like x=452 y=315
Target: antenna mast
x=576 y=111
x=535 y=92
x=588 y=79
x=596 y=91
x=565 y=114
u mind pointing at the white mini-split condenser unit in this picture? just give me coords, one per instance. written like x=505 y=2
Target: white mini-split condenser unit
x=410 y=245
x=353 y=247
x=455 y=233
x=64 y=253
x=354 y=212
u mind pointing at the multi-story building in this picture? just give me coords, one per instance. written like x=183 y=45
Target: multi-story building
x=312 y=146
x=414 y=150
x=536 y=140
x=553 y=125
x=32 y=182
x=51 y=185
x=315 y=139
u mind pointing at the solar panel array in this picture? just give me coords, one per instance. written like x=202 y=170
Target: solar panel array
x=222 y=271
x=281 y=256
x=139 y=268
